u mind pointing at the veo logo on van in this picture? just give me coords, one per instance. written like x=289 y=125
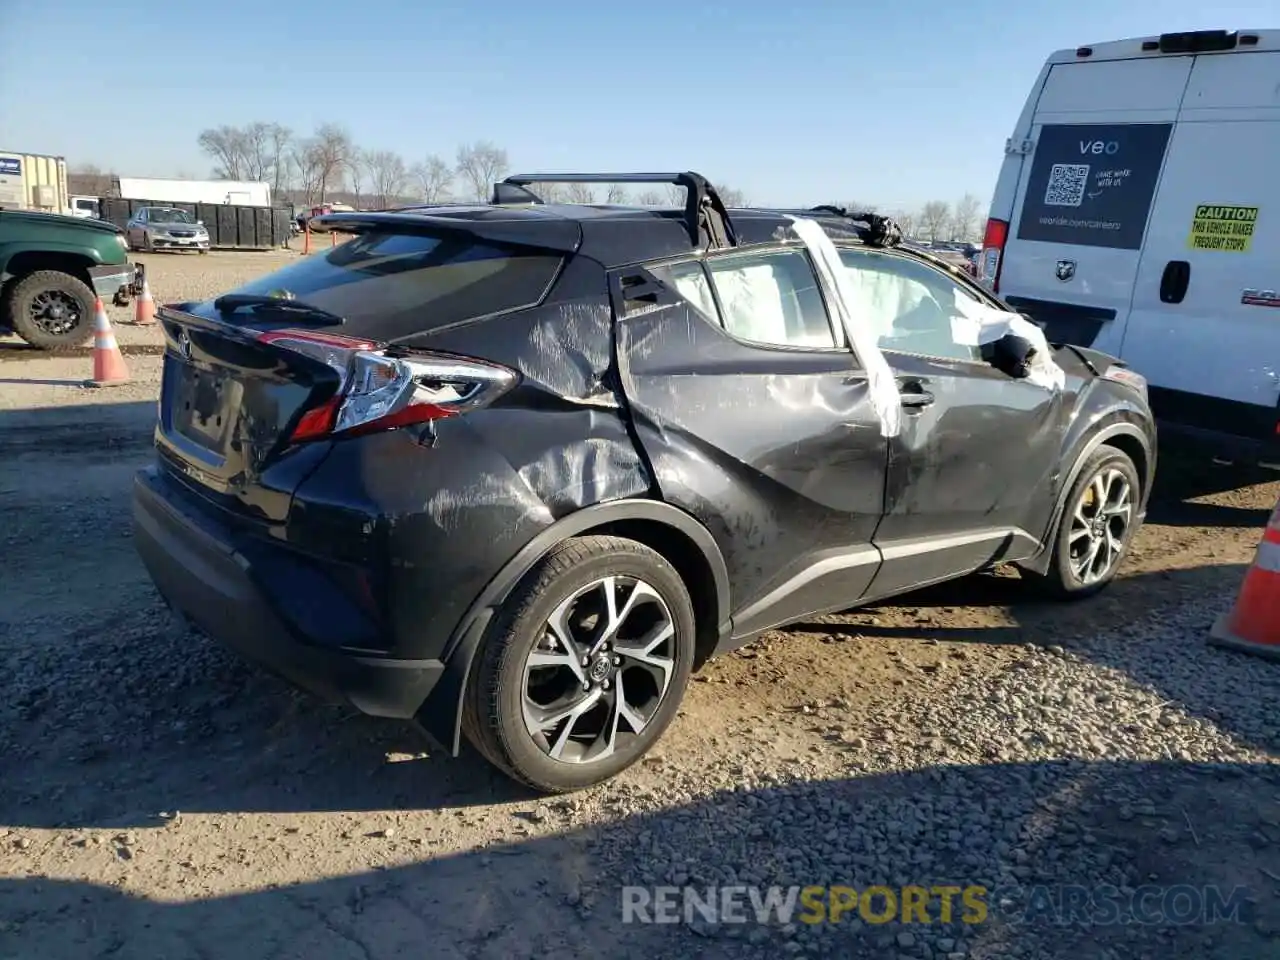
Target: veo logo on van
x=1108 y=147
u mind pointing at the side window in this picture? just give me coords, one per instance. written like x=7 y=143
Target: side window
x=690 y=281
x=908 y=304
x=772 y=298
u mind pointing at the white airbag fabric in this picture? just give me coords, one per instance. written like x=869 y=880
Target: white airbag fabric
x=974 y=324
x=883 y=388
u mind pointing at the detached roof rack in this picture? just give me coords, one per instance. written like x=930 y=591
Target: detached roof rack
x=705 y=215
x=873 y=229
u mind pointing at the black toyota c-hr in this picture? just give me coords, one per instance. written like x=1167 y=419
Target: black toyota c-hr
x=514 y=470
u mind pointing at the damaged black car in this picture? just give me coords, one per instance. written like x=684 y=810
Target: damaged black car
x=514 y=470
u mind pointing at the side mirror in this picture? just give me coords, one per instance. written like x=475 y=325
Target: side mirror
x=1011 y=355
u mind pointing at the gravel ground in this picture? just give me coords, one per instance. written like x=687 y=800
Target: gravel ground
x=160 y=799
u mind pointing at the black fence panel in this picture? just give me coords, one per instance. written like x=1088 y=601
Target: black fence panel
x=245 y=226
x=208 y=212
x=229 y=226
x=228 y=231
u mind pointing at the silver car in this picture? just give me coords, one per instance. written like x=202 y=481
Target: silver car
x=166 y=228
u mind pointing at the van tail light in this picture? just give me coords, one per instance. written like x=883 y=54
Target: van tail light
x=992 y=257
x=380 y=392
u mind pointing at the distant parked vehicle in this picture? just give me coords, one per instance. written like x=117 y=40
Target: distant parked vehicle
x=52 y=268
x=86 y=208
x=319 y=211
x=166 y=228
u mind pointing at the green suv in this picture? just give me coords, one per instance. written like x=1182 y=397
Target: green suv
x=51 y=269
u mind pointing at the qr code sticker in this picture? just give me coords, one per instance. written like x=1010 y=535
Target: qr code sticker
x=1067 y=182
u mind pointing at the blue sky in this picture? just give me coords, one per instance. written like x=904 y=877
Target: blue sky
x=799 y=102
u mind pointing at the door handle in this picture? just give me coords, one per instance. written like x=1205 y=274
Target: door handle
x=1174 y=281
x=917 y=399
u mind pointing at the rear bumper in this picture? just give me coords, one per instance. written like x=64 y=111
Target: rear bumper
x=205 y=576
x=117 y=282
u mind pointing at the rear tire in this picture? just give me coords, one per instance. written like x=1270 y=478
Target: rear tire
x=51 y=310
x=1098 y=521
x=529 y=671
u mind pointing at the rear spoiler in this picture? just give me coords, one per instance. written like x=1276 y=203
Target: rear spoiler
x=558 y=235
x=705 y=215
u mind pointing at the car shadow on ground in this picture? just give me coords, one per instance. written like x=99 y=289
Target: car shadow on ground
x=118 y=718
x=1019 y=837
x=1183 y=477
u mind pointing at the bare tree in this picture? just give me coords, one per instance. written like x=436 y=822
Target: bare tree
x=357 y=164
x=935 y=216
x=480 y=165
x=652 y=198
x=617 y=195
x=279 y=137
x=331 y=153
x=856 y=206
x=88 y=179
x=258 y=151
x=433 y=178
x=732 y=197
x=226 y=146
x=674 y=196
x=388 y=176
x=964 y=221
x=551 y=192
x=580 y=193
x=905 y=220
x=306 y=164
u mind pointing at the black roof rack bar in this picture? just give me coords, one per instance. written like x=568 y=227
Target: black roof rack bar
x=705 y=215
x=873 y=229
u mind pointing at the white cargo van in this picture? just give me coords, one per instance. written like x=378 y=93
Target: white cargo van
x=1138 y=212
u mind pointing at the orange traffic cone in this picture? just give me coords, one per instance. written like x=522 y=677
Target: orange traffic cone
x=1253 y=625
x=144 y=313
x=108 y=362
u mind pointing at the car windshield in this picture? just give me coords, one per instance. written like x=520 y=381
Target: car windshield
x=169 y=215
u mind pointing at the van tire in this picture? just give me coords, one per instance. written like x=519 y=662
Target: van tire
x=1087 y=521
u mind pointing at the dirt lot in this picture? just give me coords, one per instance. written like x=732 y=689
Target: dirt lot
x=158 y=799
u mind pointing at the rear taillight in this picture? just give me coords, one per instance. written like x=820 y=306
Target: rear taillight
x=992 y=256
x=379 y=392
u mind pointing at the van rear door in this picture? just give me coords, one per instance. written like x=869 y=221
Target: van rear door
x=1205 y=323
x=1099 y=135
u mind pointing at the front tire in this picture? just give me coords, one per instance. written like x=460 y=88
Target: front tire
x=52 y=310
x=1097 y=525
x=545 y=717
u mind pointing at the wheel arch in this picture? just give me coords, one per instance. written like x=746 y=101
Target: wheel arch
x=22 y=262
x=1124 y=436
x=684 y=542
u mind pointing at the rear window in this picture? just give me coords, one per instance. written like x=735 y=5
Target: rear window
x=1091 y=184
x=390 y=285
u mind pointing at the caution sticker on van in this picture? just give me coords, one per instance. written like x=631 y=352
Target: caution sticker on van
x=1222 y=227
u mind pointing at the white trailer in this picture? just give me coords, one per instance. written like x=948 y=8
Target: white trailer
x=33 y=181
x=244 y=193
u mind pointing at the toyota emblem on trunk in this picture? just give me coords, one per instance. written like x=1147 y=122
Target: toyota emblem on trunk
x=1065 y=270
x=184 y=345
